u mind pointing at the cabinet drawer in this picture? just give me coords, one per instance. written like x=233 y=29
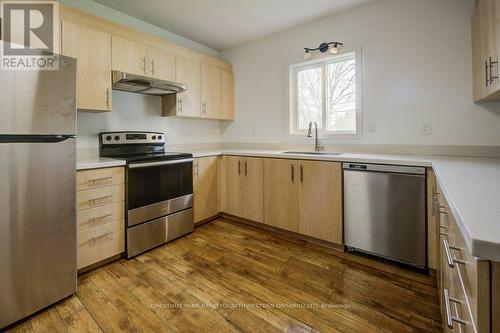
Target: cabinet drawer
x=99 y=197
x=473 y=273
x=459 y=306
x=100 y=215
x=88 y=179
x=101 y=242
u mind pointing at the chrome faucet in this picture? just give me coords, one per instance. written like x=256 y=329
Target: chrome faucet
x=317 y=144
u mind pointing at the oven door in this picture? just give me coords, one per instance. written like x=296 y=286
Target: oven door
x=156 y=189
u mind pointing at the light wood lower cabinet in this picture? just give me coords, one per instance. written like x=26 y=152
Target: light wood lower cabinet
x=320 y=200
x=242 y=187
x=304 y=197
x=280 y=194
x=464 y=281
x=100 y=214
x=206 y=187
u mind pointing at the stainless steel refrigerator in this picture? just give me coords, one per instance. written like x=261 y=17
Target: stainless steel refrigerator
x=37 y=189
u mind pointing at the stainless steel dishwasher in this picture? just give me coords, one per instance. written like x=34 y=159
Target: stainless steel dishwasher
x=384 y=211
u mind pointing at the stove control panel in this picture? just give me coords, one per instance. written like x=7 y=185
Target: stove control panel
x=120 y=138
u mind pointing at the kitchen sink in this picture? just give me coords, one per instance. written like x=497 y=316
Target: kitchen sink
x=326 y=153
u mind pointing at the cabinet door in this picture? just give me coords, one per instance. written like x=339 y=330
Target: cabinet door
x=128 y=56
x=206 y=188
x=320 y=200
x=232 y=188
x=280 y=194
x=161 y=64
x=92 y=49
x=228 y=95
x=253 y=189
x=189 y=102
x=211 y=92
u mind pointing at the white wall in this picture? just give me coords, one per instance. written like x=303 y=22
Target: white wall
x=139 y=112
x=143 y=113
x=416 y=67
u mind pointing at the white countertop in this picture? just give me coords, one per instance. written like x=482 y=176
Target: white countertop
x=470 y=185
x=84 y=163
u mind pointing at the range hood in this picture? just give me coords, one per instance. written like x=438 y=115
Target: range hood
x=145 y=85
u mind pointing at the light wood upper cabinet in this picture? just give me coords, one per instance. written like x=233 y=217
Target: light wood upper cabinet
x=92 y=49
x=320 y=200
x=485 y=28
x=211 y=92
x=206 y=187
x=188 y=71
x=129 y=57
x=242 y=187
x=280 y=194
x=161 y=64
x=227 y=95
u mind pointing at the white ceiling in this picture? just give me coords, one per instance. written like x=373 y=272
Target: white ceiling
x=222 y=24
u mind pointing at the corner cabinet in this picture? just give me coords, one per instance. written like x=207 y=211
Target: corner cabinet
x=304 y=197
x=92 y=49
x=485 y=30
x=206 y=188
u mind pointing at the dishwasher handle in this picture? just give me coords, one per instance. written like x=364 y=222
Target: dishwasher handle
x=414 y=170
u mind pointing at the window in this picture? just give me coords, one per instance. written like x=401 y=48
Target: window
x=328 y=92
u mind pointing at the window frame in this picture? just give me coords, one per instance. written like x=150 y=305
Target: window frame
x=323 y=61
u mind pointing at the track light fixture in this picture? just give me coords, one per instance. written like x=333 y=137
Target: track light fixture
x=332 y=47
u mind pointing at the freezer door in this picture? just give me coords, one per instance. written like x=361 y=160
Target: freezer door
x=39 y=102
x=37 y=226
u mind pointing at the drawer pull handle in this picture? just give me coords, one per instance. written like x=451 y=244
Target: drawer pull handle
x=93 y=201
x=93 y=239
x=93 y=220
x=449 y=317
x=449 y=258
x=98 y=180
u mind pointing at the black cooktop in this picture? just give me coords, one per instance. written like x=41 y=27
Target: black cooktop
x=141 y=158
x=137 y=147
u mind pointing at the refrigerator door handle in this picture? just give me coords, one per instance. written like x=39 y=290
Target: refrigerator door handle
x=9 y=138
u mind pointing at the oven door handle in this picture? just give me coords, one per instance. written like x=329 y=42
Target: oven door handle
x=151 y=164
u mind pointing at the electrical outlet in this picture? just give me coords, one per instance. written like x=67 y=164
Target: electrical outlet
x=372 y=127
x=254 y=132
x=426 y=128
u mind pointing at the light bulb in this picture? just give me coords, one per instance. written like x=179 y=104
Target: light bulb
x=333 y=49
x=307 y=55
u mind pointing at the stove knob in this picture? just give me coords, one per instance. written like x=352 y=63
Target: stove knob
x=153 y=137
x=159 y=137
x=108 y=138
x=117 y=137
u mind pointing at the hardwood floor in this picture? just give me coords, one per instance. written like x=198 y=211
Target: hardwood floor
x=256 y=281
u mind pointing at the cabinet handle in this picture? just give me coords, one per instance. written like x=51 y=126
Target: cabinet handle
x=179 y=105
x=98 y=180
x=492 y=78
x=93 y=239
x=239 y=168
x=107 y=98
x=144 y=65
x=93 y=220
x=246 y=168
x=292 y=175
x=196 y=169
x=447 y=303
x=152 y=67
x=301 y=174
x=449 y=259
x=93 y=201
x=486 y=72
x=204 y=107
